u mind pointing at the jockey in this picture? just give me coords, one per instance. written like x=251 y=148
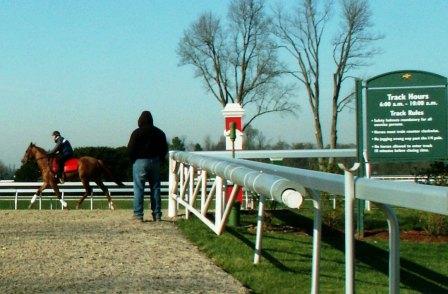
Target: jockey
x=63 y=150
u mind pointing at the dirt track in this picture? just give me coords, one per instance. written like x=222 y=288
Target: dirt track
x=101 y=251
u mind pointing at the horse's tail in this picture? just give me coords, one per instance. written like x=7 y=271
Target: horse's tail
x=109 y=173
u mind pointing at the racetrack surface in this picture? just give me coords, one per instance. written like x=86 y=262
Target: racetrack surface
x=101 y=251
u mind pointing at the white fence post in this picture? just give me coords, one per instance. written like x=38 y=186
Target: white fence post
x=191 y=173
x=62 y=197
x=259 y=230
x=349 y=228
x=181 y=180
x=172 y=187
x=317 y=233
x=218 y=200
x=203 y=188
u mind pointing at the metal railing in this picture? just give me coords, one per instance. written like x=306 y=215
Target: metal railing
x=185 y=167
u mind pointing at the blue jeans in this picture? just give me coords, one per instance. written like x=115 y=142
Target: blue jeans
x=147 y=170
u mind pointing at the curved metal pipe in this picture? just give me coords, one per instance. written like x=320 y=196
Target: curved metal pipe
x=275 y=187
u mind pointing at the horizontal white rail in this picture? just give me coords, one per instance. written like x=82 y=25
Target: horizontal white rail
x=71 y=188
x=15 y=191
x=403 y=194
x=279 y=154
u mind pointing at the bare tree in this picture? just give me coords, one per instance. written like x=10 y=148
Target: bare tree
x=238 y=63
x=351 y=49
x=254 y=139
x=208 y=143
x=300 y=33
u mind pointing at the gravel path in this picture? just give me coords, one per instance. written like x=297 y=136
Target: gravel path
x=101 y=251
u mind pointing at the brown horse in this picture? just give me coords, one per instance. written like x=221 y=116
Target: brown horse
x=89 y=169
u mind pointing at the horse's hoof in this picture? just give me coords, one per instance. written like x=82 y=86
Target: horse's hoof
x=30 y=206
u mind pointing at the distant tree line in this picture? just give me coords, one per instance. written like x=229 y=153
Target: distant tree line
x=254 y=139
x=6 y=172
x=117 y=159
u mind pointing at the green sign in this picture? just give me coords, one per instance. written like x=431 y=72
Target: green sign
x=406 y=116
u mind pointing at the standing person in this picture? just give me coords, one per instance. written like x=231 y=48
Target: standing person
x=63 y=150
x=147 y=147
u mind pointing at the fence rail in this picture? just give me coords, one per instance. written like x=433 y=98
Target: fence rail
x=15 y=191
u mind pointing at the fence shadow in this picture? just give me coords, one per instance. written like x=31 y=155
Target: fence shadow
x=266 y=255
x=413 y=275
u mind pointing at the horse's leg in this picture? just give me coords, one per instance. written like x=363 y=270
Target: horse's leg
x=106 y=192
x=38 y=194
x=89 y=191
x=55 y=188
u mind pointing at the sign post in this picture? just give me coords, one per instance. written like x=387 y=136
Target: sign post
x=360 y=204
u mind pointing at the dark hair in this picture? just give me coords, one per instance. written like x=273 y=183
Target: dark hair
x=56 y=133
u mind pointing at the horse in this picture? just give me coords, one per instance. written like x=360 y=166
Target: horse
x=89 y=169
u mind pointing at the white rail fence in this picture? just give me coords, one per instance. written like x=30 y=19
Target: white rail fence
x=16 y=191
x=188 y=171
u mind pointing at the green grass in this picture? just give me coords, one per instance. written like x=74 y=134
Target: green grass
x=286 y=262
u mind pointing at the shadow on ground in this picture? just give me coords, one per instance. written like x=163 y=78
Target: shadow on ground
x=412 y=275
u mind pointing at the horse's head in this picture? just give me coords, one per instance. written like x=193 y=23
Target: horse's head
x=29 y=153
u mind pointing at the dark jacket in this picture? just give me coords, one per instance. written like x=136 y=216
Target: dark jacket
x=147 y=141
x=63 y=148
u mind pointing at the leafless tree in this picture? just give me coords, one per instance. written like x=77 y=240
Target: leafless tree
x=254 y=139
x=238 y=62
x=352 y=47
x=300 y=33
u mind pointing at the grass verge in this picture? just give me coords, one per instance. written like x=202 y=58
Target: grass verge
x=286 y=263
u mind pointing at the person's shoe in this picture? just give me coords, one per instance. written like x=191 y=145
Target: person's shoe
x=61 y=180
x=137 y=219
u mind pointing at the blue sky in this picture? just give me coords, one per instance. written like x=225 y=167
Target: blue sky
x=88 y=69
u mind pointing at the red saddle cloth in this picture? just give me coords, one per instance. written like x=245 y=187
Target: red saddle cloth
x=71 y=165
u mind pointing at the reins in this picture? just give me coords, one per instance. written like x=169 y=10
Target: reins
x=45 y=156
